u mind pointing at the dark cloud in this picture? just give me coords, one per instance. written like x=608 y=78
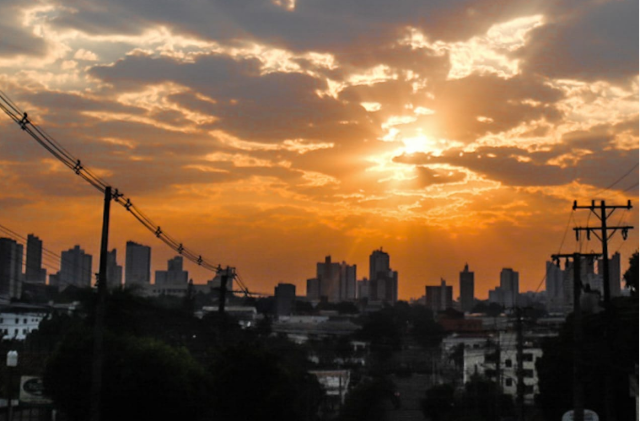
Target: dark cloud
x=16 y=39
x=428 y=176
x=598 y=41
x=468 y=108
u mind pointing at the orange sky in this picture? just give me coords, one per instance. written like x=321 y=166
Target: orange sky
x=268 y=134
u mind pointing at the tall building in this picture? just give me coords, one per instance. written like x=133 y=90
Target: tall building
x=285 y=297
x=466 y=289
x=335 y=281
x=555 y=288
x=383 y=281
x=510 y=287
x=75 y=268
x=313 y=289
x=439 y=298
x=378 y=263
x=34 y=272
x=114 y=271
x=10 y=268
x=137 y=264
x=174 y=275
x=614 y=275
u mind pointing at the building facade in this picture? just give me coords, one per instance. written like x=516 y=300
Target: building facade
x=114 y=271
x=34 y=272
x=439 y=298
x=467 y=299
x=137 y=264
x=285 y=298
x=11 y=254
x=174 y=275
x=383 y=281
x=75 y=269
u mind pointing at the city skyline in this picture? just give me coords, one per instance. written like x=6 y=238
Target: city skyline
x=379 y=261
x=266 y=135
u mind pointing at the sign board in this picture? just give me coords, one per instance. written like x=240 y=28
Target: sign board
x=589 y=415
x=32 y=391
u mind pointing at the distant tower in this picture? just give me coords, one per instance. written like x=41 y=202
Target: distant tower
x=10 y=268
x=383 y=282
x=466 y=289
x=555 y=288
x=285 y=297
x=439 y=298
x=114 y=271
x=34 y=272
x=174 y=275
x=75 y=268
x=328 y=275
x=510 y=287
x=137 y=264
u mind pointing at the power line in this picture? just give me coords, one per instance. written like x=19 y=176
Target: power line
x=57 y=150
x=633 y=167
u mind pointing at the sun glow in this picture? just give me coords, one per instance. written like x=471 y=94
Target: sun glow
x=421 y=143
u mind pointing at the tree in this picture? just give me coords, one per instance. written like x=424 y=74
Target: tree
x=481 y=400
x=615 y=335
x=369 y=401
x=438 y=402
x=143 y=378
x=251 y=383
x=631 y=275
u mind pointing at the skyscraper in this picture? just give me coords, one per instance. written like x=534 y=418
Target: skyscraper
x=34 y=272
x=174 y=275
x=510 y=287
x=439 y=298
x=555 y=288
x=466 y=289
x=114 y=271
x=383 y=281
x=75 y=268
x=328 y=274
x=10 y=268
x=137 y=264
x=285 y=297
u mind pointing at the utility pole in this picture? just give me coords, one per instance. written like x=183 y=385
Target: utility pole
x=602 y=233
x=98 y=332
x=578 y=388
x=603 y=236
x=520 y=365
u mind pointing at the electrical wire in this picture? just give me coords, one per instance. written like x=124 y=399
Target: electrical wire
x=54 y=148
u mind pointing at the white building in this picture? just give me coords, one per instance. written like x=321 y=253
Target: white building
x=16 y=322
x=482 y=361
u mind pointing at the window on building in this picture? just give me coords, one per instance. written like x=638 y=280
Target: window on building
x=508 y=363
x=528 y=373
x=25 y=321
x=509 y=382
x=17 y=321
x=528 y=389
x=527 y=357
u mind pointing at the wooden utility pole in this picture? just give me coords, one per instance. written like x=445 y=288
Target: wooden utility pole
x=520 y=365
x=98 y=332
x=578 y=388
x=602 y=233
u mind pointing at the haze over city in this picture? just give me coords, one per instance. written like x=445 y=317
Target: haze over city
x=268 y=136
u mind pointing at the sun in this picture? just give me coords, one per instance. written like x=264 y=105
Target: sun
x=420 y=143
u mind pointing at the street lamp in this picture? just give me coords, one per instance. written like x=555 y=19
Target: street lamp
x=12 y=363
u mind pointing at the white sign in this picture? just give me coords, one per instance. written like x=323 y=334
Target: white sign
x=589 y=415
x=32 y=391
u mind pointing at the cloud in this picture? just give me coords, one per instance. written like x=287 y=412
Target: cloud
x=597 y=41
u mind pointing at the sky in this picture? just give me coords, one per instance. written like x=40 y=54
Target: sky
x=268 y=134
